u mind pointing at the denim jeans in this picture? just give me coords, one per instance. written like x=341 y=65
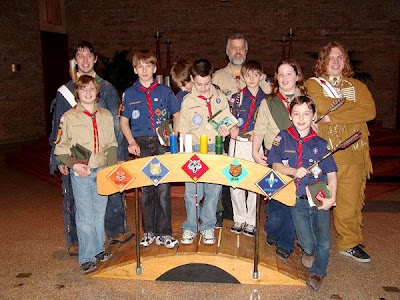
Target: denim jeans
x=115 y=217
x=313 y=233
x=279 y=224
x=69 y=209
x=207 y=212
x=156 y=200
x=90 y=211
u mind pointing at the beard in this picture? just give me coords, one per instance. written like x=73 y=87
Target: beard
x=238 y=61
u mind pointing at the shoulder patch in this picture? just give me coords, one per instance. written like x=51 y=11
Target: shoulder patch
x=277 y=140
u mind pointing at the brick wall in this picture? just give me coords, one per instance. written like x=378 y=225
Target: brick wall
x=21 y=97
x=198 y=29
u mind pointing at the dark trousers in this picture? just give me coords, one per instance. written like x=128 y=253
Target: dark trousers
x=279 y=224
x=156 y=200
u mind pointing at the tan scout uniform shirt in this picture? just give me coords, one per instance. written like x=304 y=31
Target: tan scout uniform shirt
x=194 y=114
x=227 y=82
x=77 y=127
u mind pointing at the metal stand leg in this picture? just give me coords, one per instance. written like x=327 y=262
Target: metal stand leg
x=139 y=268
x=255 y=272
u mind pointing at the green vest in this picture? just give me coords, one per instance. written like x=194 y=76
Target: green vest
x=279 y=112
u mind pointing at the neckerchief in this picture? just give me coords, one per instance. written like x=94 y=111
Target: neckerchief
x=284 y=99
x=300 y=141
x=148 y=100
x=208 y=102
x=251 y=110
x=95 y=130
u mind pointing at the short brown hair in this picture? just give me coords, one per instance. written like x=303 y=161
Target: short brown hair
x=323 y=60
x=180 y=72
x=251 y=65
x=145 y=56
x=83 y=81
x=202 y=67
x=299 y=100
x=295 y=65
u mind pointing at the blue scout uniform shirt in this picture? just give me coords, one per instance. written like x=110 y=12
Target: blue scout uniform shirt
x=288 y=148
x=244 y=108
x=180 y=95
x=108 y=99
x=135 y=107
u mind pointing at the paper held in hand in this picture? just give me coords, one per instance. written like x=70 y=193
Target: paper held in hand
x=222 y=117
x=163 y=133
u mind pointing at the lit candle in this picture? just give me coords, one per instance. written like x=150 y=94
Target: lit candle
x=173 y=143
x=188 y=143
x=219 y=147
x=203 y=144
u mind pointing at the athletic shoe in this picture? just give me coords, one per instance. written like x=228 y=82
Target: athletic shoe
x=249 y=230
x=307 y=260
x=167 y=240
x=88 y=267
x=357 y=253
x=188 y=237
x=282 y=253
x=122 y=237
x=73 y=250
x=147 y=239
x=237 y=227
x=208 y=236
x=103 y=256
x=314 y=281
x=218 y=224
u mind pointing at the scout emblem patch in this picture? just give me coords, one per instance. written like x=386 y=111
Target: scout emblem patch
x=195 y=167
x=120 y=177
x=277 y=141
x=235 y=173
x=155 y=170
x=270 y=183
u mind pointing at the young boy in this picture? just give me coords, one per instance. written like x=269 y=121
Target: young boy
x=91 y=127
x=84 y=57
x=180 y=75
x=292 y=152
x=245 y=105
x=147 y=104
x=198 y=106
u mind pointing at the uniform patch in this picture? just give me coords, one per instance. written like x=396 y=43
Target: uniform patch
x=197 y=119
x=277 y=140
x=135 y=114
x=315 y=150
x=316 y=171
x=240 y=122
x=218 y=100
x=158 y=112
x=155 y=99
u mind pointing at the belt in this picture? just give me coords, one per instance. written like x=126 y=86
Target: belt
x=303 y=197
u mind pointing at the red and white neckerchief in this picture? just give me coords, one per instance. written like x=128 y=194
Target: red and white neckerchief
x=208 y=102
x=284 y=99
x=95 y=130
x=300 y=141
x=251 y=110
x=148 y=100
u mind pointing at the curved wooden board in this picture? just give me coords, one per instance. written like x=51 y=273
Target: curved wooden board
x=174 y=163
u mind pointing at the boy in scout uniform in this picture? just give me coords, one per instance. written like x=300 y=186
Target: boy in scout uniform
x=146 y=106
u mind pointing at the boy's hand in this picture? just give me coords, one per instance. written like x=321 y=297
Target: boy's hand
x=223 y=131
x=260 y=158
x=300 y=172
x=326 y=202
x=63 y=170
x=82 y=170
x=134 y=148
x=234 y=132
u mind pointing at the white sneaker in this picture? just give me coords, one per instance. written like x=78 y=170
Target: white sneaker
x=147 y=239
x=208 y=236
x=167 y=240
x=249 y=230
x=188 y=237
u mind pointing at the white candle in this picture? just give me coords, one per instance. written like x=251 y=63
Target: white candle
x=188 y=143
x=180 y=143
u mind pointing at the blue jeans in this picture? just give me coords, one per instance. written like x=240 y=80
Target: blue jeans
x=90 y=211
x=207 y=212
x=279 y=224
x=69 y=209
x=156 y=200
x=313 y=233
x=115 y=217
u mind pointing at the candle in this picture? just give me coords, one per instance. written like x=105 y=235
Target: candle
x=173 y=143
x=180 y=143
x=203 y=144
x=219 y=147
x=188 y=143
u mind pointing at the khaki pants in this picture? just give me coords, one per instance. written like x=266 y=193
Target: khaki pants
x=350 y=200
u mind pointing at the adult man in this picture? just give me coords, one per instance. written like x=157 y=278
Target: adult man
x=354 y=164
x=228 y=79
x=84 y=56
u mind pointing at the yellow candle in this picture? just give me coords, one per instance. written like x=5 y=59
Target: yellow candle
x=203 y=143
